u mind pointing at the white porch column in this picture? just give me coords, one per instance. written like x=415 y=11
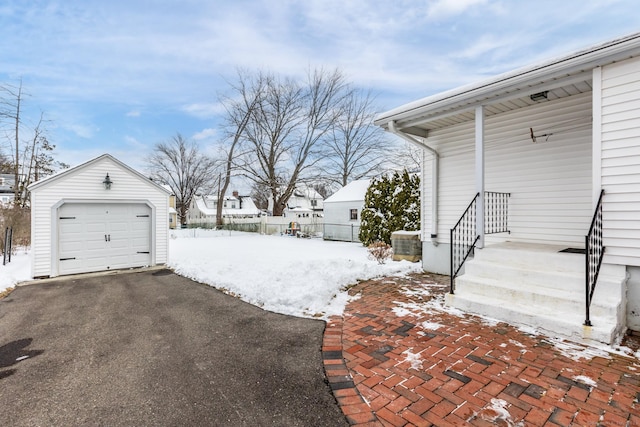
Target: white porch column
x=596 y=136
x=480 y=174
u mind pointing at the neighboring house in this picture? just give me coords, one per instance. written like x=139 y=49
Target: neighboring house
x=305 y=202
x=100 y=215
x=342 y=212
x=7 y=183
x=7 y=194
x=524 y=156
x=173 y=213
x=203 y=209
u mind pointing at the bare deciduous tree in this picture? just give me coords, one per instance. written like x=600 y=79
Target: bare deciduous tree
x=404 y=156
x=37 y=159
x=179 y=164
x=11 y=104
x=5 y=164
x=240 y=108
x=260 y=196
x=355 y=147
x=287 y=128
x=32 y=154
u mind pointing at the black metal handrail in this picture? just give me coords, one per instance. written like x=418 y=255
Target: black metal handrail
x=594 y=252
x=463 y=237
x=496 y=212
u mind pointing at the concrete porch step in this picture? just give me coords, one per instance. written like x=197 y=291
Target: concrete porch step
x=532 y=256
x=560 y=299
x=539 y=286
x=544 y=319
x=540 y=277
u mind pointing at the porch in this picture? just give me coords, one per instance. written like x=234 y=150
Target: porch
x=540 y=286
x=553 y=137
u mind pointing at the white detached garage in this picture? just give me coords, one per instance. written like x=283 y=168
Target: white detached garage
x=100 y=215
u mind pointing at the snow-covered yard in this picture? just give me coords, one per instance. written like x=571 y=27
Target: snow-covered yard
x=301 y=277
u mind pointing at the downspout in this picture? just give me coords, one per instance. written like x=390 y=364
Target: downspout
x=434 y=176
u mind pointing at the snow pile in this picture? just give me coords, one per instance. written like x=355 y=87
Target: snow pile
x=18 y=270
x=300 y=277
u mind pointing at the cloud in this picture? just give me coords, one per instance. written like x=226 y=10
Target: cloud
x=440 y=9
x=83 y=131
x=204 y=134
x=130 y=140
x=203 y=110
x=133 y=113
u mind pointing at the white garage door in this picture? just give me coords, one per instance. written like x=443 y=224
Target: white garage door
x=100 y=236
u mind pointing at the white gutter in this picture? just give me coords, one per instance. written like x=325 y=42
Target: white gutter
x=434 y=175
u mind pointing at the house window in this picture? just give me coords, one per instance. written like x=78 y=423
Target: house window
x=233 y=205
x=314 y=202
x=354 y=213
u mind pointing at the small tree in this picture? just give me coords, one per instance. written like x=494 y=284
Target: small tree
x=179 y=164
x=392 y=203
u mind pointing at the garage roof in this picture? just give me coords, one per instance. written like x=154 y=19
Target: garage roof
x=560 y=77
x=66 y=172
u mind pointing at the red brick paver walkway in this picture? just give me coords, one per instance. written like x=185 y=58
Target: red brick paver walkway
x=397 y=358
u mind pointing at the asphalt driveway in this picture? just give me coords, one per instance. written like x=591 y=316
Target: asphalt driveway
x=154 y=348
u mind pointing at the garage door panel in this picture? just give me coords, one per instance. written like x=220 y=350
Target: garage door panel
x=69 y=248
x=71 y=227
x=100 y=236
x=118 y=226
x=96 y=227
x=119 y=244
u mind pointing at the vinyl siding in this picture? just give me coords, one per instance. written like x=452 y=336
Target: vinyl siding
x=620 y=161
x=85 y=184
x=549 y=181
x=338 y=224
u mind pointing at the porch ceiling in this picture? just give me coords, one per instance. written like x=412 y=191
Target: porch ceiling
x=495 y=104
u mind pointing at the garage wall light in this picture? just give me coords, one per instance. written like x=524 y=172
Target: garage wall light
x=107 y=182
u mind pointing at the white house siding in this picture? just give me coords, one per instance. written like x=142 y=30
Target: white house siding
x=85 y=185
x=620 y=161
x=549 y=181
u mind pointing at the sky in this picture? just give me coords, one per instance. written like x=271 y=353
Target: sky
x=120 y=76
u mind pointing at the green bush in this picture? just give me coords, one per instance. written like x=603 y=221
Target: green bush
x=392 y=203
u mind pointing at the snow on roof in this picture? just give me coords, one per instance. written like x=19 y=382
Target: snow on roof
x=202 y=207
x=354 y=191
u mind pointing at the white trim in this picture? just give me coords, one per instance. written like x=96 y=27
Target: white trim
x=596 y=134
x=480 y=174
x=66 y=172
